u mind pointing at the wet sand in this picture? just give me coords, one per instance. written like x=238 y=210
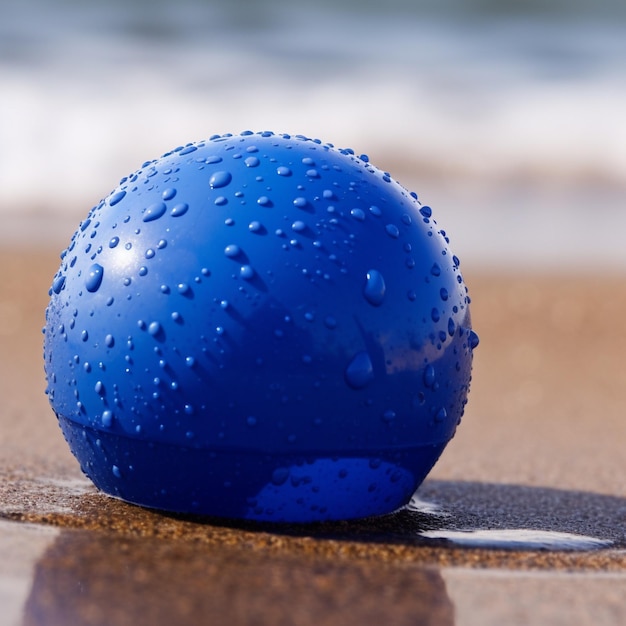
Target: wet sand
x=540 y=449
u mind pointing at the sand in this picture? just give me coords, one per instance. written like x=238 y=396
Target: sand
x=540 y=449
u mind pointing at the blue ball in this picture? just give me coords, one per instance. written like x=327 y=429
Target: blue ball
x=259 y=326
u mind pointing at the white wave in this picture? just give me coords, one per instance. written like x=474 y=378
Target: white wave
x=86 y=99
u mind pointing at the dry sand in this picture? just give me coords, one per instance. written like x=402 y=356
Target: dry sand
x=540 y=448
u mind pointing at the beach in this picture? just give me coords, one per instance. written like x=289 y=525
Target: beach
x=533 y=478
x=506 y=119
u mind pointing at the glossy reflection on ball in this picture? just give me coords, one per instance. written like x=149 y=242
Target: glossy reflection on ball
x=259 y=326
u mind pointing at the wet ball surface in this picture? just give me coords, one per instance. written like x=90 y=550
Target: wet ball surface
x=259 y=326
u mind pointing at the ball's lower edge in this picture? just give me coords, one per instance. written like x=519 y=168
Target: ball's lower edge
x=240 y=484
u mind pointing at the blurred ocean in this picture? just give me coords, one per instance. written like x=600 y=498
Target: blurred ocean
x=509 y=118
